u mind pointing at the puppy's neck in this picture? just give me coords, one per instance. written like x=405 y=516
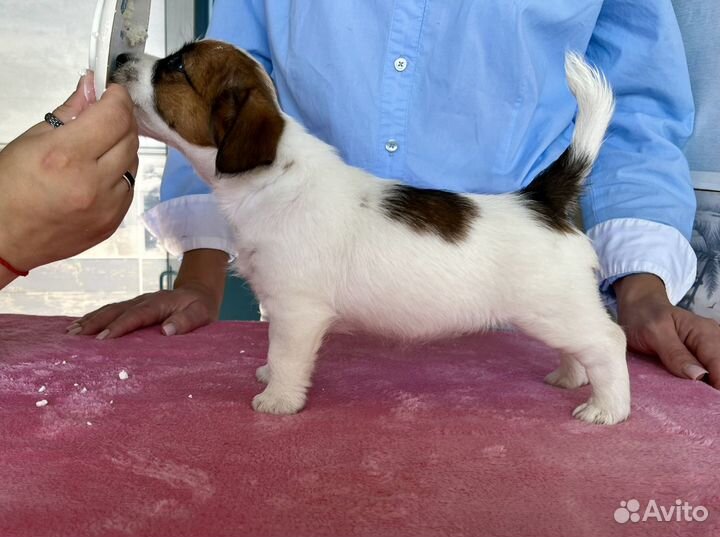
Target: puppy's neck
x=298 y=154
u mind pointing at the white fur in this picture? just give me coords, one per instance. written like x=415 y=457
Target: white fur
x=320 y=254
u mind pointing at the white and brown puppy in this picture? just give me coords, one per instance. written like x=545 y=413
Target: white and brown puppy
x=325 y=245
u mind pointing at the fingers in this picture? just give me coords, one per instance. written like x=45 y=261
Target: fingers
x=713 y=367
x=675 y=355
x=102 y=125
x=119 y=159
x=96 y=321
x=193 y=316
x=703 y=339
x=179 y=311
x=78 y=101
x=145 y=313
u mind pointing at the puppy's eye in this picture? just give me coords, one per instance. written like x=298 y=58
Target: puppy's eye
x=175 y=63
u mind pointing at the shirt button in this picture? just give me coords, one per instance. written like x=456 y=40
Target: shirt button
x=401 y=64
x=391 y=146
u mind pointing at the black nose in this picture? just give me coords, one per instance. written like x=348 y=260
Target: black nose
x=121 y=60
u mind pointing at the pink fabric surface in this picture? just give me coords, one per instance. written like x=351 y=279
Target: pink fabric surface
x=456 y=438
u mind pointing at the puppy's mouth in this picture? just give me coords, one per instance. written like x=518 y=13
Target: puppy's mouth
x=125 y=69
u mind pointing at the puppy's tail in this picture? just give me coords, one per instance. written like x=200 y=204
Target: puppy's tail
x=553 y=194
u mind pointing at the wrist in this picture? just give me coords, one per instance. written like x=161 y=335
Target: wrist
x=6 y=277
x=639 y=288
x=10 y=259
x=203 y=269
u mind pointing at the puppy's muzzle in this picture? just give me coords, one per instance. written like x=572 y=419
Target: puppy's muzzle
x=124 y=69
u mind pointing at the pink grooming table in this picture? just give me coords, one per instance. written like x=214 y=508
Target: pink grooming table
x=456 y=438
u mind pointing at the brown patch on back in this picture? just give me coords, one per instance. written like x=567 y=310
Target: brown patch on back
x=553 y=195
x=446 y=214
x=215 y=95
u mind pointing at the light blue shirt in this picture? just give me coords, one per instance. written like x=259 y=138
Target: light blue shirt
x=471 y=96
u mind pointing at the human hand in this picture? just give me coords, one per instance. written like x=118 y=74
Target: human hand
x=194 y=302
x=687 y=344
x=63 y=190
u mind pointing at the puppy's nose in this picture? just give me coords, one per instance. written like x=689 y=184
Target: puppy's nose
x=121 y=60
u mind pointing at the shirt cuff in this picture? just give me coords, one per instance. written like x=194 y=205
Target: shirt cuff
x=631 y=245
x=188 y=223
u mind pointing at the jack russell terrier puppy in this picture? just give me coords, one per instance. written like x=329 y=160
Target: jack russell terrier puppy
x=326 y=245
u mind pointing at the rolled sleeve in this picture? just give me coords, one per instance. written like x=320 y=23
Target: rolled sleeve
x=189 y=223
x=630 y=246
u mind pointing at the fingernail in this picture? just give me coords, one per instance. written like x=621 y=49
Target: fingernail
x=169 y=329
x=89 y=86
x=75 y=331
x=102 y=335
x=694 y=372
x=73 y=325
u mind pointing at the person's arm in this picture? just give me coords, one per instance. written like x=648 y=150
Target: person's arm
x=640 y=203
x=639 y=206
x=63 y=190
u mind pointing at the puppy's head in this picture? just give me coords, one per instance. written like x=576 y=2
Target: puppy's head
x=207 y=94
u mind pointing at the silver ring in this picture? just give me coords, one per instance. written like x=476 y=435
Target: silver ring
x=129 y=179
x=53 y=120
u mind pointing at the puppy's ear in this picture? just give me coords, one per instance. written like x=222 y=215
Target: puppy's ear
x=246 y=127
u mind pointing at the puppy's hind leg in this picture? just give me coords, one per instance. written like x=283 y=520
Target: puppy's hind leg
x=262 y=373
x=571 y=374
x=295 y=337
x=583 y=330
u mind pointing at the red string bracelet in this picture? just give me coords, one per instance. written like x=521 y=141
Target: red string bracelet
x=13 y=269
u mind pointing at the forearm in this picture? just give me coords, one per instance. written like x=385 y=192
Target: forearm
x=205 y=268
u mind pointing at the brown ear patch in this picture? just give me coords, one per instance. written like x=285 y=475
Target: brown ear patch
x=246 y=128
x=446 y=214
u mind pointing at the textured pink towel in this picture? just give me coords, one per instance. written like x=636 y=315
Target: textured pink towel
x=456 y=438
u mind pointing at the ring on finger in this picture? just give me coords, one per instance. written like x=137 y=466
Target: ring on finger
x=129 y=179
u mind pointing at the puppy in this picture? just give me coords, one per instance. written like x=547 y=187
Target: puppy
x=325 y=245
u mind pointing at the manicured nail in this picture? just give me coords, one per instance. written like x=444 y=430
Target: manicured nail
x=169 y=329
x=89 y=86
x=102 y=335
x=75 y=331
x=694 y=372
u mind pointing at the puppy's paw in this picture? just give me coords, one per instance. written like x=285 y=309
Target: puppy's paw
x=567 y=378
x=262 y=373
x=273 y=401
x=591 y=412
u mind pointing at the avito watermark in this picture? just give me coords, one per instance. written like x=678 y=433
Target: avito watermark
x=680 y=511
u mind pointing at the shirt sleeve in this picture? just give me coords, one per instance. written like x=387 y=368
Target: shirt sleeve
x=187 y=217
x=639 y=205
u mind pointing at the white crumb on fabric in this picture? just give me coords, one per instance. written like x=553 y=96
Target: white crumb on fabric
x=123 y=375
x=112 y=401
x=42 y=389
x=89 y=423
x=75 y=355
x=84 y=390
x=64 y=362
x=190 y=396
x=242 y=352
x=76 y=385
x=42 y=403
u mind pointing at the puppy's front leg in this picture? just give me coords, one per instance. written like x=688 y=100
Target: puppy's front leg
x=294 y=341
